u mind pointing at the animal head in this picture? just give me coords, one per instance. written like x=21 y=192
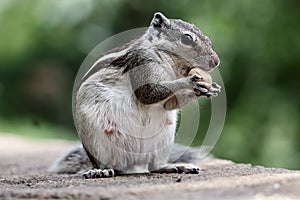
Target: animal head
x=184 y=41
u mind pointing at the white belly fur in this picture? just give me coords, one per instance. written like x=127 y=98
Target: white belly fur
x=123 y=134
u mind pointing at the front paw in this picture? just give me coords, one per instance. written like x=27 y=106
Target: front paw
x=202 y=88
x=213 y=90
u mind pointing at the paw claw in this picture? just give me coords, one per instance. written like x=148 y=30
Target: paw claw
x=214 y=90
x=202 y=84
x=202 y=88
x=189 y=169
x=185 y=168
x=195 y=77
x=98 y=173
x=215 y=85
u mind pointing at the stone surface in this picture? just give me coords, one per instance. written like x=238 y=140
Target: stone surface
x=23 y=174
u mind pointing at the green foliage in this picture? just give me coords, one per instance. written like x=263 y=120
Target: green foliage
x=42 y=44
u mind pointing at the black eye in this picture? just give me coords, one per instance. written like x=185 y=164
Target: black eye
x=187 y=39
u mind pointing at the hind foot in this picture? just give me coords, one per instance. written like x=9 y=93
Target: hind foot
x=98 y=173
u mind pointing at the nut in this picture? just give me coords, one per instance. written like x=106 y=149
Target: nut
x=204 y=75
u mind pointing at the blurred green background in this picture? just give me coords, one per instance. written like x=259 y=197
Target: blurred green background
x=43 y=43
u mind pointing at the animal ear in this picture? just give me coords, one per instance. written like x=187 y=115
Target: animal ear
x=159 y=20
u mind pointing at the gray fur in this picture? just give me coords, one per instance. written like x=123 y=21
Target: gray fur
x=77 y=161
x=126 y=103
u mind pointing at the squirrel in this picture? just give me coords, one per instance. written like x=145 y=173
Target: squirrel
x=126 y=104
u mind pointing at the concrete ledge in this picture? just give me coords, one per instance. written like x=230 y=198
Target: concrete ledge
x=23 y=175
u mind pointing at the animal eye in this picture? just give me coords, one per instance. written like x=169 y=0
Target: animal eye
x=187 y=39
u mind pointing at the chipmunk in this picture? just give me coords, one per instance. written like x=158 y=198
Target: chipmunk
x=127 y=103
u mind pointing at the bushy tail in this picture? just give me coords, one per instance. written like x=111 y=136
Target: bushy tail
x=77 y=160
x=73 y=162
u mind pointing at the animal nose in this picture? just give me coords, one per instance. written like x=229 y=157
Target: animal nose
x=214 y=62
